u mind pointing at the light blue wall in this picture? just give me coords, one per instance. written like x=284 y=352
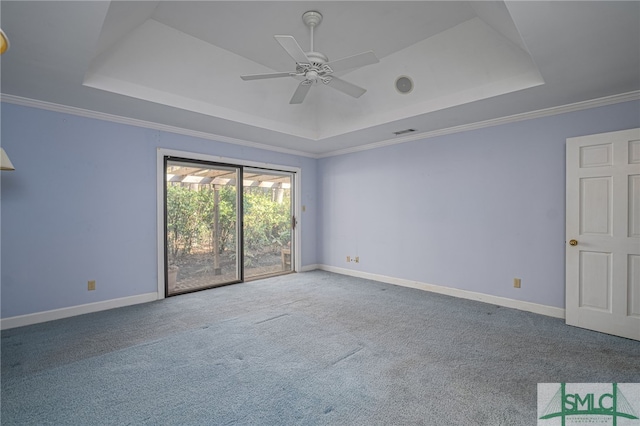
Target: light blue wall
x=470 y=210
x=81 y=205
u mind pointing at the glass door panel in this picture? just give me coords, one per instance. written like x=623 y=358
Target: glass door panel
x=202 y=226
x=268 y=222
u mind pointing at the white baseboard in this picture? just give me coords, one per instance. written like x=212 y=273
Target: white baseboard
x=38 y=317
x=551 y=311
x=29 y=319
x=307 y=268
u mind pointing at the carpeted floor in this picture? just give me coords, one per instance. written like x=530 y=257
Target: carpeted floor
x=313 y=348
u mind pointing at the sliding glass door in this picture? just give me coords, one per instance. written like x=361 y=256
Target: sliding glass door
x=202 y=225
x=268 y=222
x=217 y=234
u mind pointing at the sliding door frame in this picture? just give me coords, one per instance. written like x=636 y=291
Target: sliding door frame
x=239 y=232
x=187 y=155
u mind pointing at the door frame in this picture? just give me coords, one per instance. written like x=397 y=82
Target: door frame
x=188 y=155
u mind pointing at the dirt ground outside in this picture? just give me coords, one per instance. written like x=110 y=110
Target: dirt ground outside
x=196 y=269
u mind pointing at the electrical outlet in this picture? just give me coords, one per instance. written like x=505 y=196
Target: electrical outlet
x=348 y=258
x=516 y=282
x=357 y=259
x=91 y=285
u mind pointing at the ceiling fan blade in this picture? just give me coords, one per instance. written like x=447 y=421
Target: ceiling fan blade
x=263 y=76
x=300 y=93
x=355 y=61
x=292 y=47
x=346 y=87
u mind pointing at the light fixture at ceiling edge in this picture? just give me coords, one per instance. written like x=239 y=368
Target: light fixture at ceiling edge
x=5 y=163
x=4 y=42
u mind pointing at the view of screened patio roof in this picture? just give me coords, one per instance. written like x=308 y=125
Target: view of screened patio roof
x=205 y=175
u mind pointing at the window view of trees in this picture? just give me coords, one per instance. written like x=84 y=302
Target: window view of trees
x=190 y=224
x=194 y=235
x=267 y=221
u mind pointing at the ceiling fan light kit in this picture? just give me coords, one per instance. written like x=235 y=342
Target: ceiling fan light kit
x=313 y=67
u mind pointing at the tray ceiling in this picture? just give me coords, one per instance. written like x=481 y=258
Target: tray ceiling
x=178 y=63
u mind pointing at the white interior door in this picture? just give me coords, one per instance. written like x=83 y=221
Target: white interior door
x=603 y=233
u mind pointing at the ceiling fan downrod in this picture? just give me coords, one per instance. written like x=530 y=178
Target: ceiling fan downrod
x=311 y=19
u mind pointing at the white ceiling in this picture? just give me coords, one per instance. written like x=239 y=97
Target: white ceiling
x=178 y=63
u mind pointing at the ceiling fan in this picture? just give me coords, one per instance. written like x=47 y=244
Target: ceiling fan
x=313 y=67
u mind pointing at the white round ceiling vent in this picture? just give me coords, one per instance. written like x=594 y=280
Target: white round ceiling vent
x=404 y=84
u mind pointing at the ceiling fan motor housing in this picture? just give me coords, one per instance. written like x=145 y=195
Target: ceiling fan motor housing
x=316 y=70
x=317 y=58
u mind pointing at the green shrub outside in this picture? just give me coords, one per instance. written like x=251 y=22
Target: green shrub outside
x=190 y=219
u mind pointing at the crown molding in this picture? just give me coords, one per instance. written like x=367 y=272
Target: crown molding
x=578 y=106
x=18 y=100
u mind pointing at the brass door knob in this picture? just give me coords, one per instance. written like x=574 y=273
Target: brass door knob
x=573 y=242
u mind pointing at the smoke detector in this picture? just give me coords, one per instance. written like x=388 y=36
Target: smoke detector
x=404 y=84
